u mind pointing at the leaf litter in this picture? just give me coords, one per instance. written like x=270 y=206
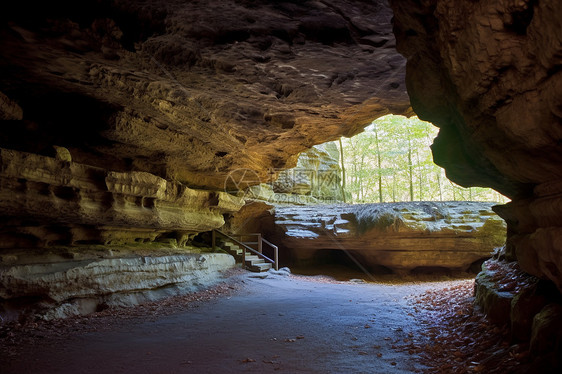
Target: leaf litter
x=457 y=337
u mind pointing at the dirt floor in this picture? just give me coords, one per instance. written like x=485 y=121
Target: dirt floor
x=281 y=324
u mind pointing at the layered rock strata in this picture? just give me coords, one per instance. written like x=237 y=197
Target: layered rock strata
x=48 y=201
x=398 y=236
x=121 y=120
x=191 y=91
x=317 y=174
x=71 y=281
x=315 y=179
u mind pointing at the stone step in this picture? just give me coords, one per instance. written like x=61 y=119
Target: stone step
x=254 y=261
x=259 y=268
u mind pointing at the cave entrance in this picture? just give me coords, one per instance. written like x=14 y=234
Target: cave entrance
x=390 y=161
x=380 y=197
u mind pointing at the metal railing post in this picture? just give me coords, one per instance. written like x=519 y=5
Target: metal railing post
x=246 y=248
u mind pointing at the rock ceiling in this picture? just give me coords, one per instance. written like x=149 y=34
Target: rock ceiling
x=189 y=91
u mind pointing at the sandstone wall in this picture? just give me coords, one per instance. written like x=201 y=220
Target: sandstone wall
x=317 y=174
x=68 y=281
x=488 y=74
x=48 y=201
x=398 y=236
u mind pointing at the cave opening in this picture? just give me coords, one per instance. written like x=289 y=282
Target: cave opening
x=391 y=161
x=122 y=120
x=379 y=198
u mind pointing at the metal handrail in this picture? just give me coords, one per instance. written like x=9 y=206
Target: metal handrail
x=275 y=252
x=245 y=247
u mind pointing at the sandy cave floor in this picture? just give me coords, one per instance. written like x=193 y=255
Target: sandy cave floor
x=281 y=324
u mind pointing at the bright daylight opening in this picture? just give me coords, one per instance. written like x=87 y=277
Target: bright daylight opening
x=391 y=161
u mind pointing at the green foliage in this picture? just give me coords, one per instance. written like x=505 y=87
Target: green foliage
x=391 y=161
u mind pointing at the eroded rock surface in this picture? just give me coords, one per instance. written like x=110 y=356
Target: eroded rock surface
x=317 y=174
x=47 y=201
x=529 y=306
x=489 y=75
x=70 y=281
x=399 y=236
x=193 y=90
x=120 y=120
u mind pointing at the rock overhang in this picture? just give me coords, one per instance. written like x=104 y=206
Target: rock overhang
x=191 y=91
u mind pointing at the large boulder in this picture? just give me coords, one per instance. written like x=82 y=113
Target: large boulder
x=398 y=236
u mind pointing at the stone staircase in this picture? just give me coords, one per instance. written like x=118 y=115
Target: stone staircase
x=251 y=262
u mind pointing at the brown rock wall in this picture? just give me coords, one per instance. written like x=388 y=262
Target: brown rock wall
x=488 y=74
x=48 y=201
x=190 y=91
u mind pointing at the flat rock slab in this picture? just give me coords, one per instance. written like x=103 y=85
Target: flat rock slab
x=71 y=281
x=278 y=324
x=400 y=236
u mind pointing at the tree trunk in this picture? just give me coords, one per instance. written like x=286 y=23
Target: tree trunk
x=394 y=187
x=379 y=163
x=410 y=167
x=421 y=173
x=342 y=172
x=439 y=185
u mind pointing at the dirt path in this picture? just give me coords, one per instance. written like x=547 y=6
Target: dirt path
x=278 y=324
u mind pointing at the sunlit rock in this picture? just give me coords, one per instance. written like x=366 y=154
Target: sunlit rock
x=317 y=174
x=398 y=236
x=46 y=201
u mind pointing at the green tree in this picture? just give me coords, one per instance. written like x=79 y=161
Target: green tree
x=391 y=161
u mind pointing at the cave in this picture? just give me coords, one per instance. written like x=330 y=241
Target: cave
x=128 y=130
